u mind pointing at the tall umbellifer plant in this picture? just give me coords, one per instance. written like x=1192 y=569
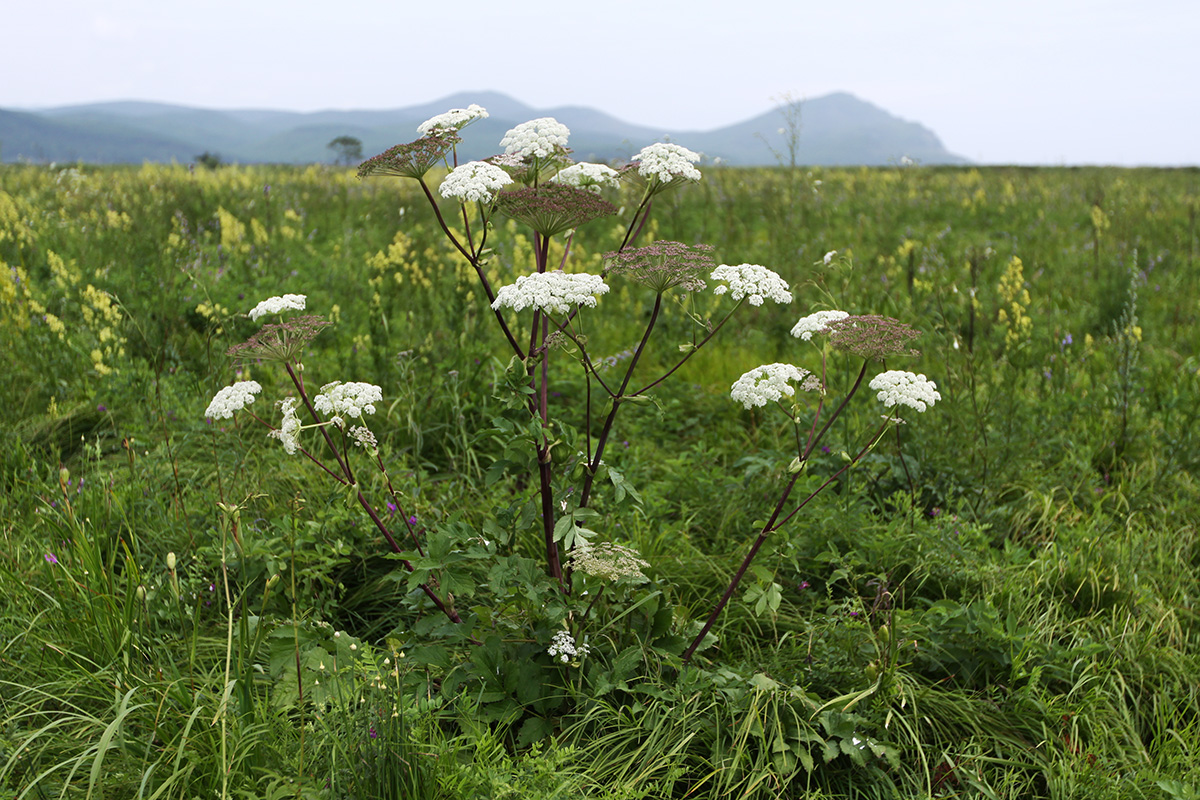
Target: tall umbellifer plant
x=535 y=184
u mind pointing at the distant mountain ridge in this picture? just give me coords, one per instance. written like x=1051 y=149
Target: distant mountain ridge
x=836 y=129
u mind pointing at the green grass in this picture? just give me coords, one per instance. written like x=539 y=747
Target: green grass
x=998 y=605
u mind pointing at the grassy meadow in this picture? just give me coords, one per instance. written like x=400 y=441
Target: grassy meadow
x=997 y=601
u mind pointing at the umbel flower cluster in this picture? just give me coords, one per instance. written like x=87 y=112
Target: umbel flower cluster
x=752 y=282
x=563 y=648
x=232 y=398
x=475 y=181
x=766 y=384
x=554 y=292
x=453 y=120
x=608 y=561
x=904 y=388
x=538 y=138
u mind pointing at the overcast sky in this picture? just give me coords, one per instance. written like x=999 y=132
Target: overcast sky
x=999 y=81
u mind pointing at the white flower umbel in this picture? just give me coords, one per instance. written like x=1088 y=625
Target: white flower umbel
x=277 y=305
x=563 y=647
x=288 y=432
x=666 y=162
x=753 y=282
x=347 y=399
x=766 y=384
x=453 y=120
x=475 y=181
x=538 y=138
x=232 y=398
x=906 y=389
x=817 y=322
x=592 y=177
x=554 y=292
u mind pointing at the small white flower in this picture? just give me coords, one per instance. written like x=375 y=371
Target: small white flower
x=829 y=256
x=564 y=648
x=753 y=282
x=455 y=119
x=288 y=432
x=538 y=138
x=553 y=291
x=475 y=181
x=276 y=305
x=363 y=437
x=904 y=388
x=588 y=176
x=232 y=398
x=816 y=322
x=350 y=399
x=766 y=384
x=666 y=161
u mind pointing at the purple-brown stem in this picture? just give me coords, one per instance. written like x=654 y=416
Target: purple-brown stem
x=774 y=523
x=362 y=500
x=594 y=464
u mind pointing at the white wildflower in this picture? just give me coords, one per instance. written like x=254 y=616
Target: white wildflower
x=277 y=305
x=593 y=177
x=363 y=437
x=766 y=384
x=553 y=291
x=538 y=138
x=607 y=561
x=350 y=399
x=232 y=398
x=475 y=181
x=564 y=648
x=904 y=388
x=816 y=322
x=666 y=161
x=455 y=119
x=829 y=256
x=753 y=282
x=288 y=432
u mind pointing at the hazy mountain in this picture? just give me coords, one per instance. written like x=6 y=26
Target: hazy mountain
x=835 y=129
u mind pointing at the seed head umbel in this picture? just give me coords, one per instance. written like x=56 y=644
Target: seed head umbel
x=871 y=336
x=411 y=160
x=279 y=341
x=663 y=265
x=553 y=208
